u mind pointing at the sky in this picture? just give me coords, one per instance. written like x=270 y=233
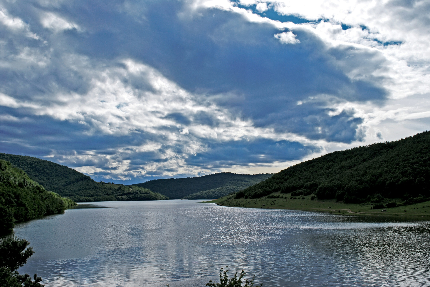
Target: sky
x=128 y=91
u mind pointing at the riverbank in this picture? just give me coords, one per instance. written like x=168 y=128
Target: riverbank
x=413 y=212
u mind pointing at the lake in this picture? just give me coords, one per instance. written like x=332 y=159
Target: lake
x=185 y=243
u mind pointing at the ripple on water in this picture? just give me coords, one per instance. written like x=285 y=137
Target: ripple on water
x=183 y=243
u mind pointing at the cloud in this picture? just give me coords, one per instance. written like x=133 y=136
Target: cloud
x=56 y=23
x=256 y=151
x=287 y=38
x=11 y=22
x=7 y=101
x=134 y=90
x=261 y=7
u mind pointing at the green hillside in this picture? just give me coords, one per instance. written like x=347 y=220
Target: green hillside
x=176 y=188
x=384 y=174
x=233 y=185
x=75 y=185
x=23 y=199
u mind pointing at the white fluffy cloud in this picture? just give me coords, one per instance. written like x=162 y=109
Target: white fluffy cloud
x=56 y=23
x=137 y=90
x=15 y=24
x=287 y=38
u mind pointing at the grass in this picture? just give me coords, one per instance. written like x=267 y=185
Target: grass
x=419 y=211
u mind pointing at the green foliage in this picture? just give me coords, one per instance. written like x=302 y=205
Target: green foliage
x=75 y=185
x=14 y=253
x=391 y=170
x=7 y=222
x=205 y=187
x=235 y=183
x=235 y=281
x=22 y=199
x=136 y=193
x=79 y=187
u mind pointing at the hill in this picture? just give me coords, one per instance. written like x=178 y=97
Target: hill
x=23 y=199
x=209 y=186
x=384 y=174
x=69 y=183
x=241 y=181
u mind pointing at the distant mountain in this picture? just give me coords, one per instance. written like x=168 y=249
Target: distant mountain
x=237 y=183
x=375 y=173
x=209 y=186
x=23 y=199
x=75 y=185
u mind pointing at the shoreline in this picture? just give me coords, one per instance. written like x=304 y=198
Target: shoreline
x=413 y=212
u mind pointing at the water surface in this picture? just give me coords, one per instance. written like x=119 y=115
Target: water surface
x=185 y=243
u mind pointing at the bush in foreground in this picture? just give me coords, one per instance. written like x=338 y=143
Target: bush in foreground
x=232 y=282
x=14 y=253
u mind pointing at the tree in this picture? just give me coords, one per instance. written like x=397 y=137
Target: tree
x=14 y=253
x=6 y=220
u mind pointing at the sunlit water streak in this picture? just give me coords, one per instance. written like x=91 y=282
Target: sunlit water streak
x=185 y=243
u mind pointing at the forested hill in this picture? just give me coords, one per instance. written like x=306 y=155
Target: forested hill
x=23 y=199
x=378 y=172
x=232 y=185
x=75 y=185
x=209 y=186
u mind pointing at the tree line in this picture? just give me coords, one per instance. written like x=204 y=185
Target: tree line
x=207 y=186
x=23 y=199
x=375 y=173
x=70 y=183
x=231 y=185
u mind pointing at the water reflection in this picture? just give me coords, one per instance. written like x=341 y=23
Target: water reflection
x=184 y=243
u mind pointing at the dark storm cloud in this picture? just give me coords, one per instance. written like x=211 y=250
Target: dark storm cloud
x=66 y=48
x=220 y=53
x=38 y=135
x=315 y=123
x=245 y=152
x=42 y=136
x=231 y=56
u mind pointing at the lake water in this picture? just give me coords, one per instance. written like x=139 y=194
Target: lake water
x=185 y=243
